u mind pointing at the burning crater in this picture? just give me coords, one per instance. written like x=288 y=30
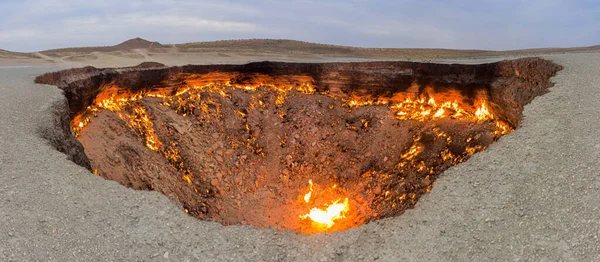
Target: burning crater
x=303 y=147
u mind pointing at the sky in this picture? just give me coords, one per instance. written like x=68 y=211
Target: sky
x=35 y=25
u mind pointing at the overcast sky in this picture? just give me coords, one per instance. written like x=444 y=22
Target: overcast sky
x=33 y=25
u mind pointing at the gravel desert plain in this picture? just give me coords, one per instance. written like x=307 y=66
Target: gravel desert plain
x=530 y=196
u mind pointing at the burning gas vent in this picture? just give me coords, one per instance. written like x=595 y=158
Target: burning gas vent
x=304 y=147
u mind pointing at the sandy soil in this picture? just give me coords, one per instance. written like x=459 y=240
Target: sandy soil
x=531 y=196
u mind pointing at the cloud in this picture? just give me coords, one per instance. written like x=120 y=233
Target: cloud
x=134 y=22
x=27 y=25
x=188 y=23
x=426 y=35
x=17 y=35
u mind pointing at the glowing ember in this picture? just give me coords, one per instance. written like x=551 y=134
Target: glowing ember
x=187 y=178
x=140 y=122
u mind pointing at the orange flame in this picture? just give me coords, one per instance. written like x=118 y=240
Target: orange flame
x=325 y=217
x=328 y=216
x=483 y=113
x=307 y=196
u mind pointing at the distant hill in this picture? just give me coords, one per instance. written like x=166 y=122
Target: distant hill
x=9 y=54
x=135 y=43
x=286 y=46
x=5 y=52
x=273 y=48
x=273 y=45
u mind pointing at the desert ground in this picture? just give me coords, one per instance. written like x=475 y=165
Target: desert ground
x=531 y=196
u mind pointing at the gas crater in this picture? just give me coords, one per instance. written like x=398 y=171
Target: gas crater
x=294 y=146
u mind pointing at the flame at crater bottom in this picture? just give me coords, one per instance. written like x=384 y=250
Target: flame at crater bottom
x=324 y=218
x=329 y=215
